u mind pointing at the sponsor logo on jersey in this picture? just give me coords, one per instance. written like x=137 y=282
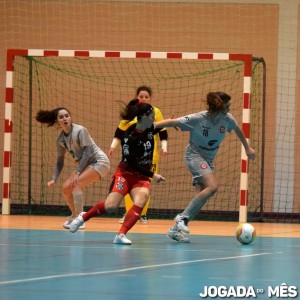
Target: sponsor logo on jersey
x=184 y=119
x=208 y=149
x=203 y=166
x=126 y=150
x=212 y=142
x=120 y=186
x=150 y=136
x=145 y=162
x=222 y=129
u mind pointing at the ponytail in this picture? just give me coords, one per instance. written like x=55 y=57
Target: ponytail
x=216 y=101
x=49 y=117
x=135 y=108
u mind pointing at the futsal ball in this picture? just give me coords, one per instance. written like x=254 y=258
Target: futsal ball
x=245 y=233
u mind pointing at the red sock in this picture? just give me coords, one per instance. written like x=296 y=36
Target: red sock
x=132 y=216
x=97 y=210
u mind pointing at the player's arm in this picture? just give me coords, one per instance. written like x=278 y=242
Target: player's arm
x=167 y=123
x=134 y=166
x=114 y=144
x=86 y=154
x=249 y=151
x=84 y=140
x=61 y=151
x=163 y=134
x=119 y=133
x=58 y=168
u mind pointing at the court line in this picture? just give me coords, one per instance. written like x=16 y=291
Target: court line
x=109 y=247
x=132 y=269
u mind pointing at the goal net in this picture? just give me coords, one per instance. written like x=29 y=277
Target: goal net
x=92 y=84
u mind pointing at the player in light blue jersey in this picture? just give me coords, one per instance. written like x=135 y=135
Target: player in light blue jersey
x=92 y=162
x=207 y=131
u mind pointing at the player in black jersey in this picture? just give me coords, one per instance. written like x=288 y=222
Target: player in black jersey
x=133 y=172
x=144 y=94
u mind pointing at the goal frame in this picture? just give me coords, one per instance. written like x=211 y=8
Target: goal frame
x=8 y=119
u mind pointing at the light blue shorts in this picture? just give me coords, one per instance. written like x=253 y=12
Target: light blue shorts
x=197 y=165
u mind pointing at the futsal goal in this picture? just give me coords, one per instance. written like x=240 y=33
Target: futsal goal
x=92 y=84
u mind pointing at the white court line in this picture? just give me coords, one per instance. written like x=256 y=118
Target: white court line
x=109 y=247
x=131 y=269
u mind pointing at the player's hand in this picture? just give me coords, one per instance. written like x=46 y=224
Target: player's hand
x=50 y=183
x=158 y=178
x=163 y=153
x=251 y=153
x=111 y=152
x=74 y=179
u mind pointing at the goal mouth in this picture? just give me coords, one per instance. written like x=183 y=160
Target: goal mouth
x=91 y=84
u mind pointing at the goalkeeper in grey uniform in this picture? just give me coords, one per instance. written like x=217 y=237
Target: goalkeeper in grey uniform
x=207 y=131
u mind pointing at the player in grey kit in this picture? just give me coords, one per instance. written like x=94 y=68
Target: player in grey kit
x=207 y=131
x=92 y=162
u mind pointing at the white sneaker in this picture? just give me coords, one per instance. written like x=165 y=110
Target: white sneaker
x=121 y=221
x=177 y=236
x=182 y=222
x=122 y=239
x=77 y=223
x=67 y=223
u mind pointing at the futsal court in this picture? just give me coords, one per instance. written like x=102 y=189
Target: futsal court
x=39 y=260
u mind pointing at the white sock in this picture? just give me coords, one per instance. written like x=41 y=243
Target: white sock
x=78 y=201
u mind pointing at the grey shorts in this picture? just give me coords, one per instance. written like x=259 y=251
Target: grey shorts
x=197 y=165
x=101 y=165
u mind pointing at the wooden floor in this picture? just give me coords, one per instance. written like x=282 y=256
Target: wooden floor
x=263 y=229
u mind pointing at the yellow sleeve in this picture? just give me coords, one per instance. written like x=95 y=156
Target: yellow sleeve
x=125 y=124
x=158 y=116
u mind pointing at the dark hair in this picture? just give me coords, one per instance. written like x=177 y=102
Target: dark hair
x=135 y=108
x=216 y=101
x=143 y=88
x=49 y=117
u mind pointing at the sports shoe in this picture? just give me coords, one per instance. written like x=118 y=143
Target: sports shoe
x=67 y=223
x=121 y=221
x=122 y=239
x=182 y=222
x=177 y=236
x=77 y=223
x=144 y=219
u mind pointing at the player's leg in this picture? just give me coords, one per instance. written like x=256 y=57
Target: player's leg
x=144 y=217
x=74 y=195
x=205 y=186
x=128 y=204
x=117 y=190
x=140 y=193
x=204 y=191
x=111 y=203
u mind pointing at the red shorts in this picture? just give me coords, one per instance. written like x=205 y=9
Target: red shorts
x=123 y=182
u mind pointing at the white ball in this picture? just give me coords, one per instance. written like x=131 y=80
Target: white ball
x=245 y=233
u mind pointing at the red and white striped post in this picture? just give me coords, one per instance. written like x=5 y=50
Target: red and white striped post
x=8 y=122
